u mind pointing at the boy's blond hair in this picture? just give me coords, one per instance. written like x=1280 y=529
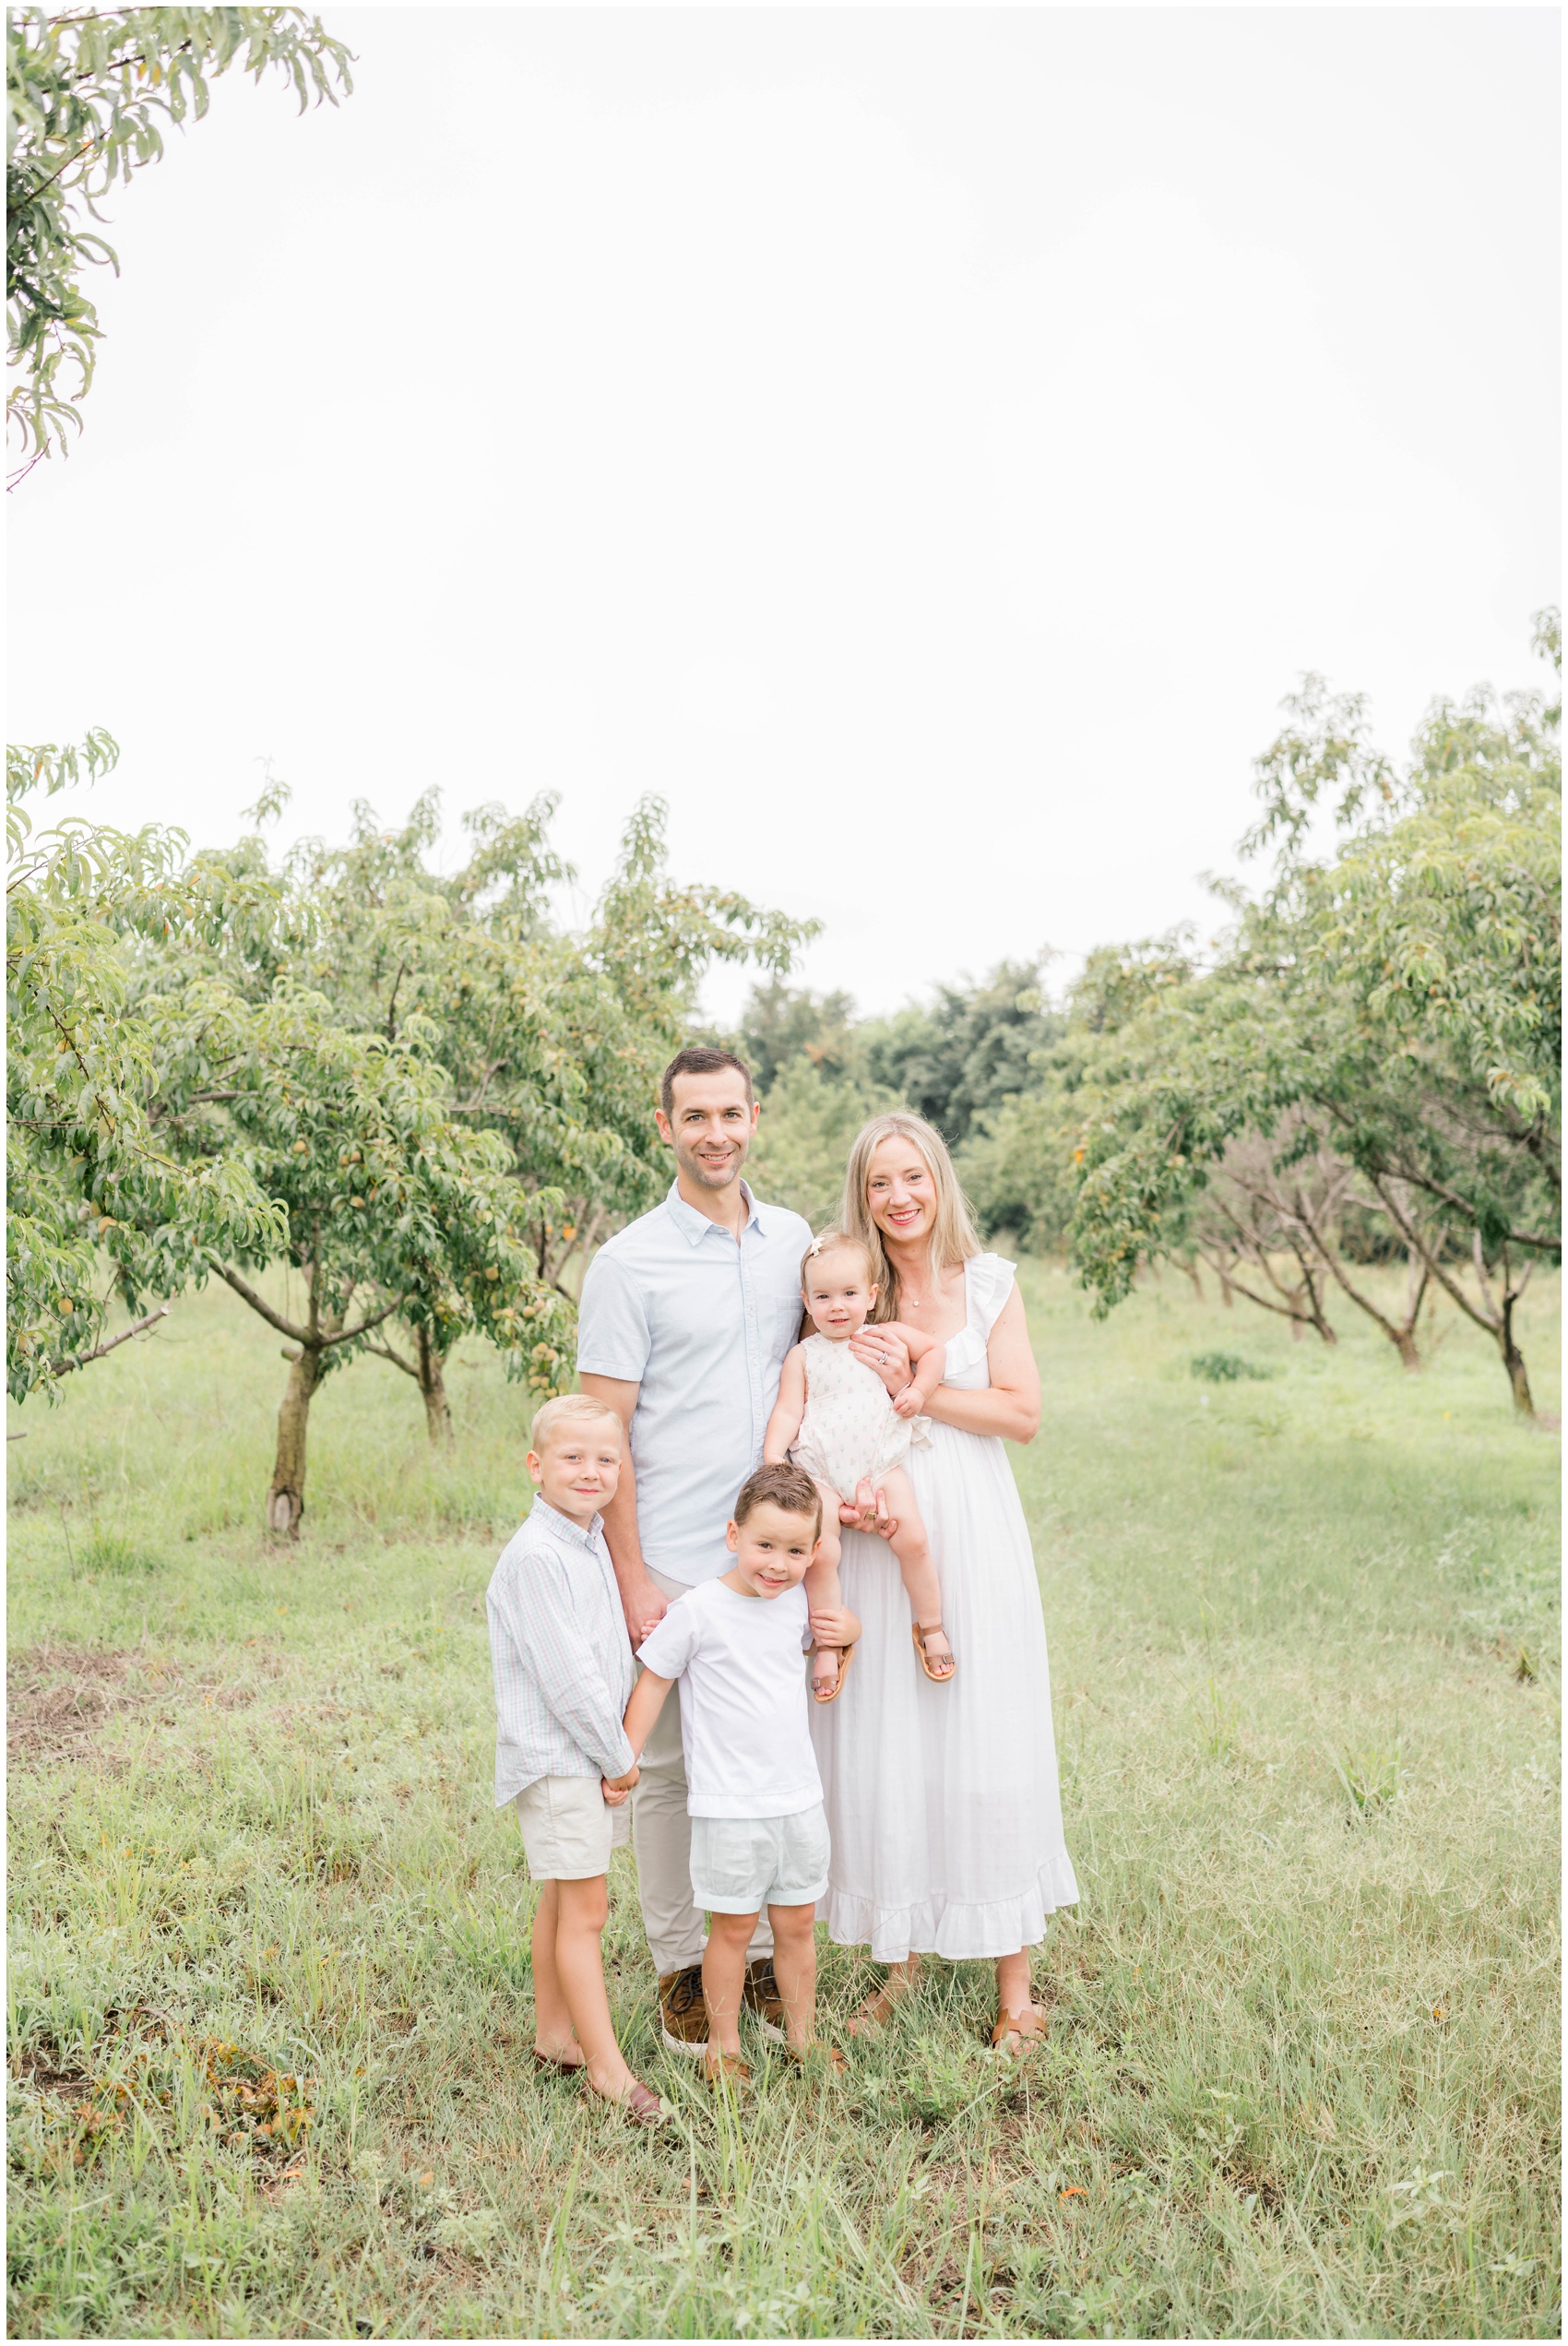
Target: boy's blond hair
x=570 y=1409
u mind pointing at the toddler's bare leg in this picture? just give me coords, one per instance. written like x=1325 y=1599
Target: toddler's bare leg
x=917 y=1564
x=822 y=1588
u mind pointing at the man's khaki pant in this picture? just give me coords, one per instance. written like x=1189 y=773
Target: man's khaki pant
x=661 y=1837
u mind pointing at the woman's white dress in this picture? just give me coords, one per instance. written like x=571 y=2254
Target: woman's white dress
x=943 y=1800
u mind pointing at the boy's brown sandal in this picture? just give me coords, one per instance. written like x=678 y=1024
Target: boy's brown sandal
x=760 y=1997
x=938 y=1677
x=819 y=2050
x=1028 y=2028
x=725 y=2068
x=682 y=2009
x=846 y=1656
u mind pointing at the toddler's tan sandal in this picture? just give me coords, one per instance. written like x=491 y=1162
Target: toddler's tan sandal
x=846 y=1656
x=1029 y=2026
x=937 y=1677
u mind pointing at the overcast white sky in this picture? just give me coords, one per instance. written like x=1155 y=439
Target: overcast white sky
x=924 y=446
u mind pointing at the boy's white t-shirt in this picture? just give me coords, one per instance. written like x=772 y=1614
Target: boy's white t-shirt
x=743 y=1717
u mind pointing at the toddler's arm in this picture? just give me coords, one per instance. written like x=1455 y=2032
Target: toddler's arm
x=928 y=1359
x=789 y=1409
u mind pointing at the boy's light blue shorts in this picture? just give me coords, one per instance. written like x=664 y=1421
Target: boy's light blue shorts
x=741 y=1864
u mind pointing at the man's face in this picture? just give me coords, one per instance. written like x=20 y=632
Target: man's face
x=709 y=1127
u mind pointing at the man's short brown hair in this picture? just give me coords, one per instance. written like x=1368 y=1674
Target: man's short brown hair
x=786 y=1486
x=700 y=1059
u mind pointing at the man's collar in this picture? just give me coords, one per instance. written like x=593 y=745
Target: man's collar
x=553 y=1520
x=694 y=1226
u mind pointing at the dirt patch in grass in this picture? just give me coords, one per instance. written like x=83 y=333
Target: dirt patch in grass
x=58 y=1697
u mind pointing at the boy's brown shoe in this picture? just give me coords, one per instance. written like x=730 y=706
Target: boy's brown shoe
x=683 y=2010
x=761 y=1998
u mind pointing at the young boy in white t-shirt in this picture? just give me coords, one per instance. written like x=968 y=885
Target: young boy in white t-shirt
x=759 y=1837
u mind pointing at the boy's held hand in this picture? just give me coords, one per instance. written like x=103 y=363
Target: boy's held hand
x=834 y=1626
x=615 y=1788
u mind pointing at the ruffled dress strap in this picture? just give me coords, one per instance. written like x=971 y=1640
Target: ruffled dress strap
x=991 y=1283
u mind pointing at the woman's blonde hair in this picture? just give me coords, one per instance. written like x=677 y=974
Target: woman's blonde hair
x=953 y=1239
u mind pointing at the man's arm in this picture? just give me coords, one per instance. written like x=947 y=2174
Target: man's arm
x=640 y=1600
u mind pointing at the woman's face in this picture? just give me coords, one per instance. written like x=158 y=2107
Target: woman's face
x=900 y=1192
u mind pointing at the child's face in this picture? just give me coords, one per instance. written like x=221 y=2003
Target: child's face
x=837 y=1293
x=578 y=1468
x=772 y=1549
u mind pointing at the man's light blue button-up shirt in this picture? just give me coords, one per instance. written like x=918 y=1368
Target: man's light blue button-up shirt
x=673 y=1304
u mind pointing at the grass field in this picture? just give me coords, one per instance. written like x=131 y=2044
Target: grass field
x=270 y=2002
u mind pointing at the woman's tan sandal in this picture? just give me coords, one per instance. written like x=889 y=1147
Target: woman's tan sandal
x=1026 y=2028
x=930 y=1664
x=846 y=1656
x=725 y=2068
x=872 y=2016
x=553 y=2061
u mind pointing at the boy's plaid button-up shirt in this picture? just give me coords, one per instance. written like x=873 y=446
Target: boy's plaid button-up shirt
x=561 y=1655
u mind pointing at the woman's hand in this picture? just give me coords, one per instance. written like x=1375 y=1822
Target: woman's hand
x=617 y=1790
x=886 y=1355
x=867 y=1511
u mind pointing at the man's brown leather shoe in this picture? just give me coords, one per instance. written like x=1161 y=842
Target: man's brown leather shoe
x=683 y=2010
x=761 y=1998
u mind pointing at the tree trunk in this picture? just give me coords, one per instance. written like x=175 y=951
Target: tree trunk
x=1513 y=1359
x=438 y=1415
x=286 y=1499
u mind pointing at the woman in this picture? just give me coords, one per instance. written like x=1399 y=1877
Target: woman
x=942 y=1799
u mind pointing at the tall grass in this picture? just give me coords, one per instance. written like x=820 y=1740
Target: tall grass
x=268 y=1996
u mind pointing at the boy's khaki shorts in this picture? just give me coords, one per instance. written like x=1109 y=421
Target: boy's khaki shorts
x=568 y=1830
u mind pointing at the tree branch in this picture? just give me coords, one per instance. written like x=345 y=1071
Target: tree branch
x=386 y=1352
x=347 y=1335
x=247 y=1294
x=137 y=1328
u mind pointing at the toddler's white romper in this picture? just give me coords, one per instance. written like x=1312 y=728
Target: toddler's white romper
x=850 y=1427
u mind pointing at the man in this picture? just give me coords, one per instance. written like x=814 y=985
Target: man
x=686 y=1318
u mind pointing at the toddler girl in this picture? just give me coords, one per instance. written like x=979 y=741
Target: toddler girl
x=834 y=1417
